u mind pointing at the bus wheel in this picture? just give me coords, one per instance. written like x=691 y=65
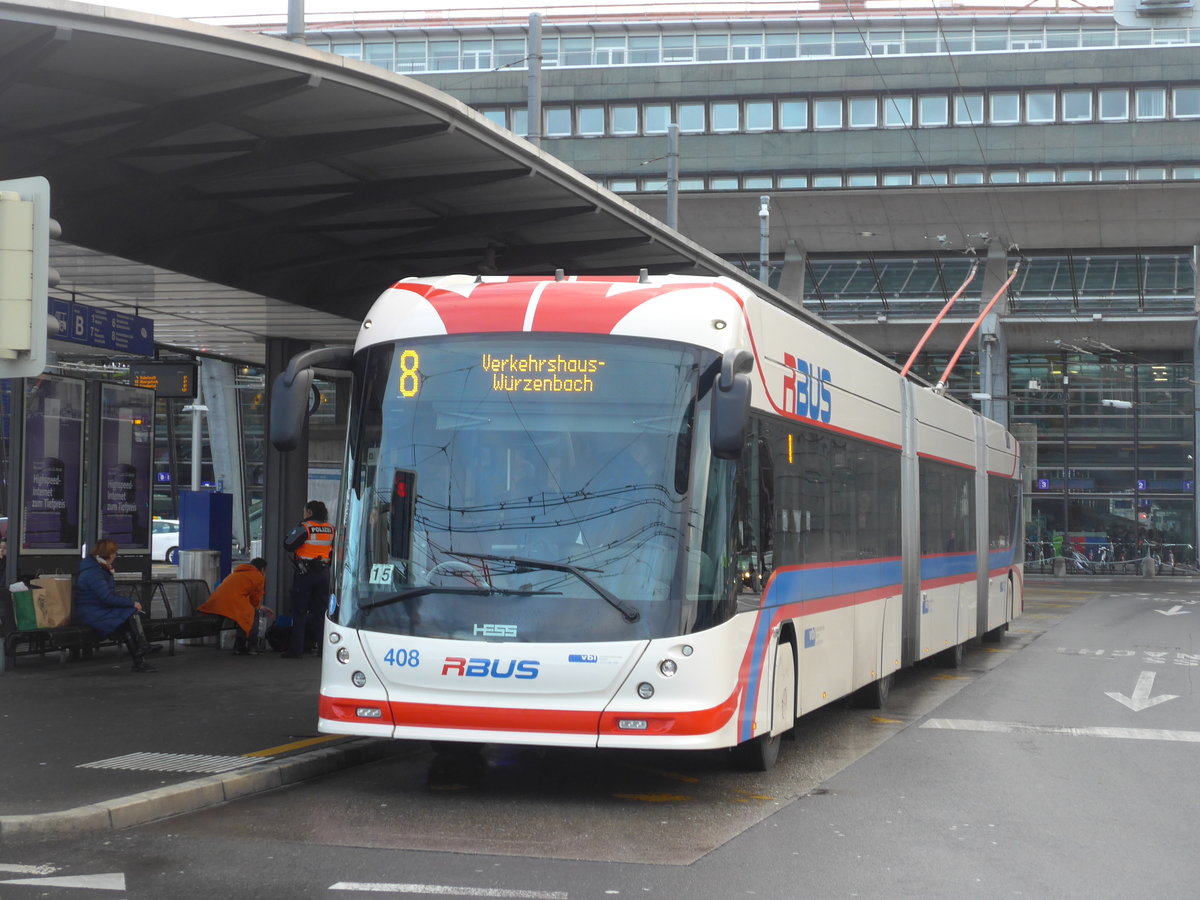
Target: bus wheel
x=760 y=753
x=875 y=694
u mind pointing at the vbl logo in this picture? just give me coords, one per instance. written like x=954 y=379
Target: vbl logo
x=806 y=393
x=490 y=668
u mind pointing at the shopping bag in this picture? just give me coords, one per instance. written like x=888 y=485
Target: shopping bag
x=52 y=600
x=23 y=607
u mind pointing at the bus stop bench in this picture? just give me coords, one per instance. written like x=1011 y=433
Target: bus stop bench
x=67 y=640
x=172 y=606
x=169 y=614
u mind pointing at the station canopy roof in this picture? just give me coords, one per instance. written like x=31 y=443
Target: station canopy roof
x=234 y=187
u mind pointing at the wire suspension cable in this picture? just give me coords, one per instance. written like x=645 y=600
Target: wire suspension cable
x=941 y=385
x=934 y=324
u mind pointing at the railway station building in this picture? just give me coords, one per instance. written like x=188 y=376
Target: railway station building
x=895 y=148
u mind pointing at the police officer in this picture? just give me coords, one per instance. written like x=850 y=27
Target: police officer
x=311 y=546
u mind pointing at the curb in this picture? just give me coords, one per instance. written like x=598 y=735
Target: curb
x=190 y=796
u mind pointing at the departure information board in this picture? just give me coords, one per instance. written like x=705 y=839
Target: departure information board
x=165 y=379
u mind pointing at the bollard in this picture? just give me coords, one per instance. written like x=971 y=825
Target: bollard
x=1148 y=567
x=1060 y=566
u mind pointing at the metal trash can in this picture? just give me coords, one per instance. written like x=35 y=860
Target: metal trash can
x=202 y=564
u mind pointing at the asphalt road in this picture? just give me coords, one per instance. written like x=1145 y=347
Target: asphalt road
x=1055 y=764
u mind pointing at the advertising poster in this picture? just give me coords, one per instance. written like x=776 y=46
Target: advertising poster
x=53 y=464
x=126 y=444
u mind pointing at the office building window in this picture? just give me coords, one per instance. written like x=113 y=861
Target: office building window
x=1040 y=106
x=723 y=183
x=1005 y=108
x=1150 y=173
x=862 y=179
x=781 y=46
x=1189 y=173
x=520 y=121
x=624 y=119
x=1077 y=106
x=968 y=109
x=499 y=116
x=558 y=121
x=656 y=117
x=928 y=178
x=691 y=184
x=1041 y=176
x=591 y=120
x=968 y=178
x=654 y=185
x=726 y=117
x=760 y=115
x=623 y=185
x=1113 y=174
x=1114 y=105
x=897 y=111
x=1187 y=103
x=793 y=115
x=827 y=114
x=897 y=179
x=758 y=182
x=644 y=49
x=864 y=112
x=1004 y=176
x=934 y=110
x=793 y=182
x=1075 y=176
x=827 y=181
x=691 y=118
x=1151 y=103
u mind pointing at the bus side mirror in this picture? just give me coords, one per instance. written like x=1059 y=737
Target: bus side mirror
x=731 y=404
x=291 y=389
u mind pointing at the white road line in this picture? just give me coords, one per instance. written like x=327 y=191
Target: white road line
x=18 y=869
x=445 y=890
x=1128 y=734
x=109 y=881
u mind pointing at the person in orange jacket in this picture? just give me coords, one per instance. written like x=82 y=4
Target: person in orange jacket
x=239 y=598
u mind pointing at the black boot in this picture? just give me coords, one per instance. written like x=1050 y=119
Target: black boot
x=135 y=642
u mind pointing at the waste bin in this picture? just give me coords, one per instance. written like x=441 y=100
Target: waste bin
x=202 y=564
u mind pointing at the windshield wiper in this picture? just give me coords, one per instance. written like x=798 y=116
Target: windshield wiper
x=524 y=564
x=424 y=589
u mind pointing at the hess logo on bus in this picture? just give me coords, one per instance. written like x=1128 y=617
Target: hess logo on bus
x=477 y=667
x=806 y=389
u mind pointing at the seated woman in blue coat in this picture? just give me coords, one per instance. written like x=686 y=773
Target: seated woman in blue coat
x=99 y=606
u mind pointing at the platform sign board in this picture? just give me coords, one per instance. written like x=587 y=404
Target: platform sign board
x=52 y=489
x=104 y=329
x=167 y=380
x=126 y=460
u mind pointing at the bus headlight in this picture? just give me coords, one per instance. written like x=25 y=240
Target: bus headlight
x=343 y=654
x=359 y=679
x=645 y=690
x=668 y=668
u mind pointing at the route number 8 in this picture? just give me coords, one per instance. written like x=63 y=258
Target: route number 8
x=410 y=376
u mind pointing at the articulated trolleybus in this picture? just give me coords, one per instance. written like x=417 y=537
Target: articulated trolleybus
x=642 y=512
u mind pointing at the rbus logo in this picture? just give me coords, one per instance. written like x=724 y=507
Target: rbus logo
x=806 y=390
x=490 y=668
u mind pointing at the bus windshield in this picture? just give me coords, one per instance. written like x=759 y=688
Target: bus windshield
x=538 y=488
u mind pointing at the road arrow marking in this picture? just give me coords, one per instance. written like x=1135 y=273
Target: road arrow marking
x=1141 y=698
x=1176 y=610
